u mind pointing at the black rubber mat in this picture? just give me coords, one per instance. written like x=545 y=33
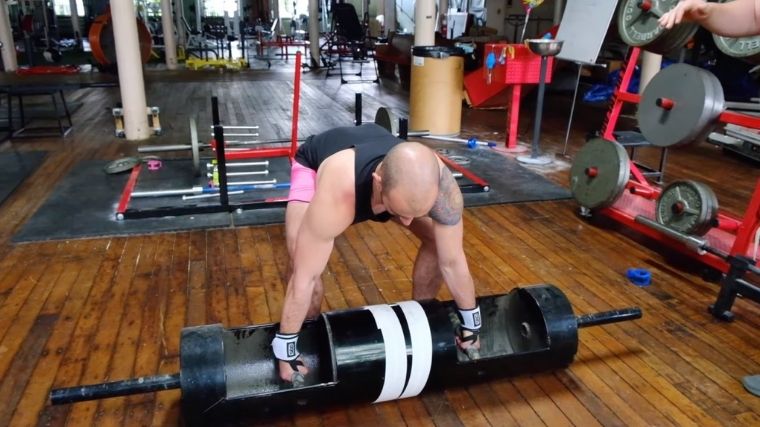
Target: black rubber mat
x=88 y=198
x=509 y=181
x=15 y=166
x=84 y=204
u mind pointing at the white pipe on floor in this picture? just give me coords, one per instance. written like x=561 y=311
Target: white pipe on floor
x=6 y=38
x=129 y=61
x=170 y=45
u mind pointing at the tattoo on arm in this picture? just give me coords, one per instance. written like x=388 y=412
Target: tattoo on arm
x=449 y=205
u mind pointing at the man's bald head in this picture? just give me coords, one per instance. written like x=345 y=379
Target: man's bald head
x=411 y=170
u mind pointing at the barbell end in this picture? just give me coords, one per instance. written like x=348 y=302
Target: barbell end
x=131 y=386
x=606 y=317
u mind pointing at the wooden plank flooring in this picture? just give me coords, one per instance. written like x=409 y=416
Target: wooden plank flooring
x=86 y=311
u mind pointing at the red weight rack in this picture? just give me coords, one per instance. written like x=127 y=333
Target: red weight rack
x=731 y=235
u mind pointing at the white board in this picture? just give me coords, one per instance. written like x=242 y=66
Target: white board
x=583 y=27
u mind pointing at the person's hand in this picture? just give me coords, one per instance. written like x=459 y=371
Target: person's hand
x=688 y=10
x=288 y=374
x=469 y=347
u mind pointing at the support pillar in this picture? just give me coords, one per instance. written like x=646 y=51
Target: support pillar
x=558 y=9
x=167 y=23
x=424 y=23
x=314 y=32
x=390 y=16
x=179 y=15
x=75 y=20
x=6 y=37
x=131 y=83
x=650 y=65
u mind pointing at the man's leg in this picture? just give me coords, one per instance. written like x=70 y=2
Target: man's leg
x=426 y=276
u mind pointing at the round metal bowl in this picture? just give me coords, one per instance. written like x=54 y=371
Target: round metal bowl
x=544 y=47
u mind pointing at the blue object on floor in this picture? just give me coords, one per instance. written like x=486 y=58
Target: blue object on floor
x=752 y=384
x=639 y=276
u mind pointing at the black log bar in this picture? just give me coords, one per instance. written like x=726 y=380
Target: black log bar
x=607 y=317
x=114 y=389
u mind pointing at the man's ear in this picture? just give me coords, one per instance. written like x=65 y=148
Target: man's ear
x=377 y=177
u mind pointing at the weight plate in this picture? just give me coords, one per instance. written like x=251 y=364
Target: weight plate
x=697 y=101
x=385 y=118
x=638 y=26
x=746 y=48
x=599 y=173
x=194 y=147
x=678 y=37
x=688 y=207
x=121 y=165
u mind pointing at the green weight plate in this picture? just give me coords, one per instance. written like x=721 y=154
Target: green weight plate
x=637 y=20
x=385 y=118
x=697 y=98
x=195 y=147
x=121 y=165
x=599 y=173
x=689 y=207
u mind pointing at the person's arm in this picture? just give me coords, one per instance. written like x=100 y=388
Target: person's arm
x=737 y=18
x=448 y=230
x=330 y=212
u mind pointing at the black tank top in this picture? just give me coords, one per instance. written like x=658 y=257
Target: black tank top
x=370 y=142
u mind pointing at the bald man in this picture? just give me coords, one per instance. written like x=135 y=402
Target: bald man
x=352 y=174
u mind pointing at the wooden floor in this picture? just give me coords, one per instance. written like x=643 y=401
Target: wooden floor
x=86 y=311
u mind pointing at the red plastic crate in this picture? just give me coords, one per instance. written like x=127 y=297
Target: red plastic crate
x=520 y=65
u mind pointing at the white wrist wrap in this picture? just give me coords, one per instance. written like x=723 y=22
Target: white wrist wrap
x=285 y=346
x=470 y=318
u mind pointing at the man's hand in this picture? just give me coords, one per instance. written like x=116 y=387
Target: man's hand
x=469 y=347
x=288 y=374
x=688 y=10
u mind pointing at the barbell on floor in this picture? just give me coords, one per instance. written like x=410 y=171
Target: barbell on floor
x=369 y=354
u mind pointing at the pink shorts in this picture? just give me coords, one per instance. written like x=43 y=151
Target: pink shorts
x=302 y=183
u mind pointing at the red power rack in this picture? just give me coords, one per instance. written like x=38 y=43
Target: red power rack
x=731 y=235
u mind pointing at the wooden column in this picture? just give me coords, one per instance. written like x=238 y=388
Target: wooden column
x=131 y=83
x=167 y=23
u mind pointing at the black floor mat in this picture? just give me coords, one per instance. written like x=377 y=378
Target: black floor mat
x=509 y=181
x=87 y=198
x=15 y=166
x=84 y=205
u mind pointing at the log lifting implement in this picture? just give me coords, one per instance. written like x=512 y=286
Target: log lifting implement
x=369 y=354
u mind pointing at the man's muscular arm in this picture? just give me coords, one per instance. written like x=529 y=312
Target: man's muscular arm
x=449 y=230
x=738 y=18
x=330 y=212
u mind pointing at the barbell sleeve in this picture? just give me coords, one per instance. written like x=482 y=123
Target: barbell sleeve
x=607 y=317
x=159 y=148
x=114 y=389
